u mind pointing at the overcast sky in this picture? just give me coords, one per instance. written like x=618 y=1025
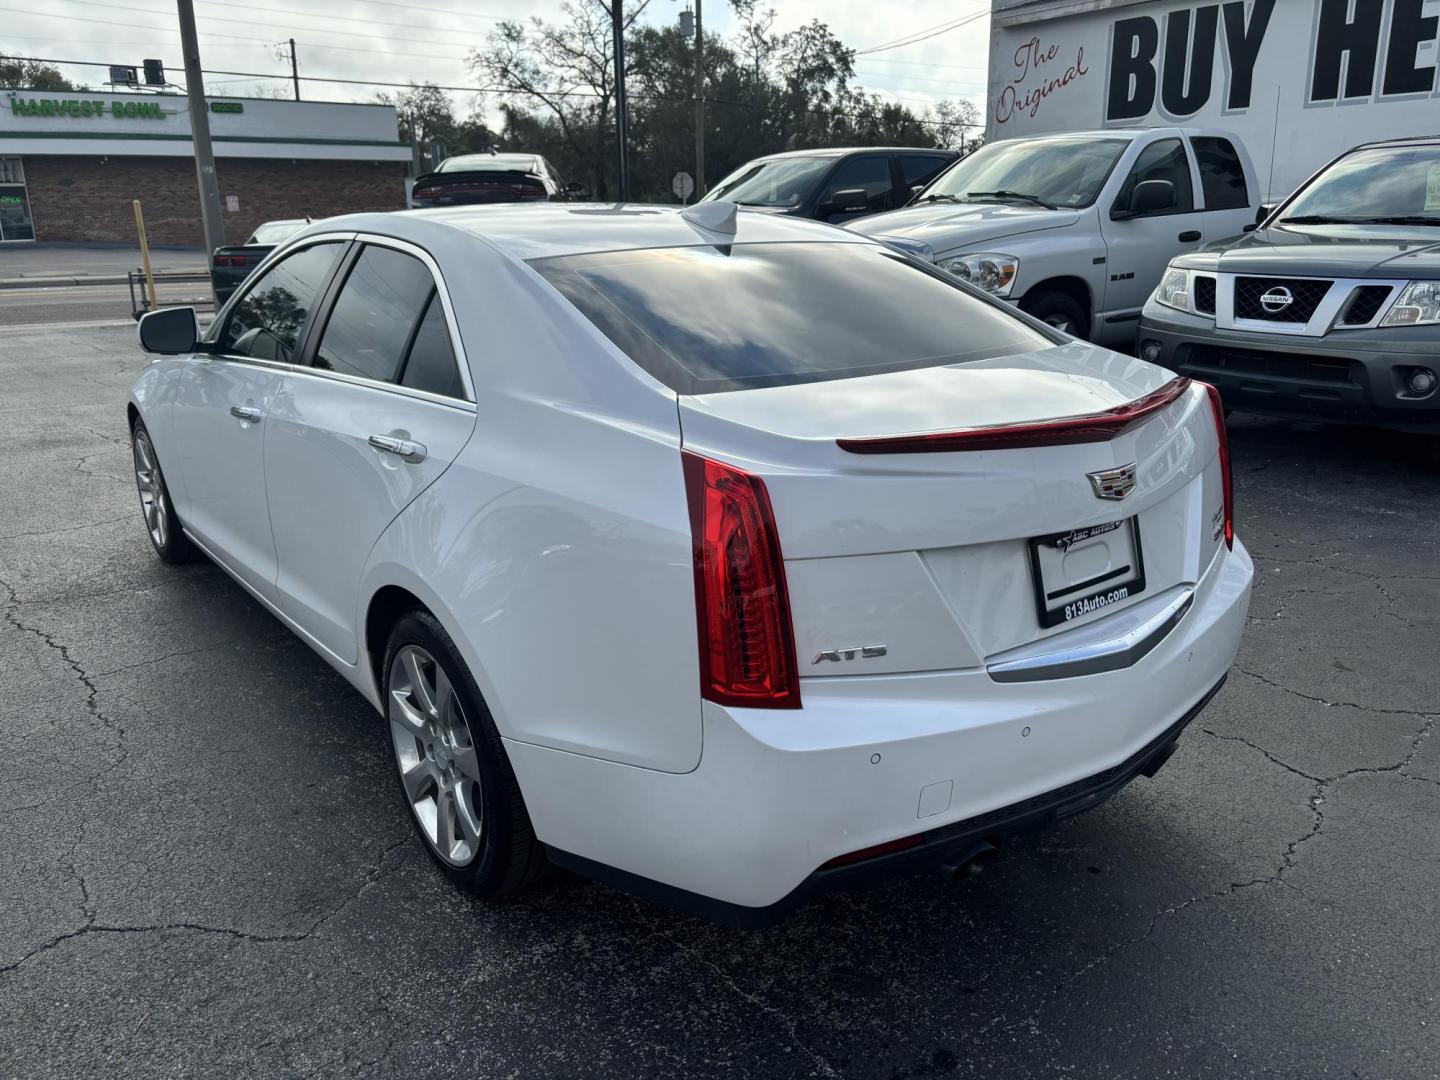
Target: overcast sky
x=401 y=40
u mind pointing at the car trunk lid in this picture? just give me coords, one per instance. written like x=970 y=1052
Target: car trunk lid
x=929 y=555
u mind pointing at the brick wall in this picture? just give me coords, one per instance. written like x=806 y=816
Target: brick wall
x=88 y=198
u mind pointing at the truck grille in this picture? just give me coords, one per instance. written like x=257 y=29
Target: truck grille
x=1365 y=304
x=1305 y=296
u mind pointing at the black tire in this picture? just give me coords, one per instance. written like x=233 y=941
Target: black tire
x=1059 y=310
x=507 y=856
x=162 y=524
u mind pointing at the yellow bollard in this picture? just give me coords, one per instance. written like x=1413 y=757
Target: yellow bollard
x=145 y=256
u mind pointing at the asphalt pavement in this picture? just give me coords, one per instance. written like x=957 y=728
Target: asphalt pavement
x=206 y=871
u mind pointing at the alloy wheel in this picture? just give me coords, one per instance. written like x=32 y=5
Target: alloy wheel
x=151 y=484
x=435 y=753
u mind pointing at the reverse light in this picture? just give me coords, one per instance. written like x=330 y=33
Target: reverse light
x=747 y=647
x=1089 y=428
x=1227 y=481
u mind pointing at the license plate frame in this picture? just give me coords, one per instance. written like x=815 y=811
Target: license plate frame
x=1055 y=605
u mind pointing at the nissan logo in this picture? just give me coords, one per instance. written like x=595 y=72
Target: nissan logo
x=1277 y=299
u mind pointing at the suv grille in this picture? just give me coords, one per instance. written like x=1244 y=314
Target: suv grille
x=1205 y=295
x=1365 y=303
x=1305 y=296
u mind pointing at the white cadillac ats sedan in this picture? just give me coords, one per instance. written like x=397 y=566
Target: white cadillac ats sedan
x=720 y=557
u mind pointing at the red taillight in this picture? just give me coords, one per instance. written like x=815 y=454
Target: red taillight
x=237 y=260
x=222 y=260
x=1093 y=427
x=1227 y=481
x=747 y=649
x=887 y=848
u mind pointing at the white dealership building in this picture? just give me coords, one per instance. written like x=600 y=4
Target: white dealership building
x=1298 y=80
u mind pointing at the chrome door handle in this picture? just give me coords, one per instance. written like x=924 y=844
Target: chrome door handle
x=246 y=412
x=412 y=452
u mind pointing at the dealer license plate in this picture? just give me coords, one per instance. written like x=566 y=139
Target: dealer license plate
x=1084 y=570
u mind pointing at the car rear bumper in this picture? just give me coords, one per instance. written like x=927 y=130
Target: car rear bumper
x=1348 y=376
x=951 y=756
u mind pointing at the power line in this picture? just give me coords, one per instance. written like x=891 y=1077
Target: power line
x=924 y=35
x=482 y=89
x=277 y=26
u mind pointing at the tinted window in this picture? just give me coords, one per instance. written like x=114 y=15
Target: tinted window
x=1063 y=171
x=921 y=168
x=779 y=182
x=369 y=327
x=431 y=365
x=1222 y=178
x=267 y=320
x=776 y=314
x=1384 y=183
x=872 y=173
x=1163 y=160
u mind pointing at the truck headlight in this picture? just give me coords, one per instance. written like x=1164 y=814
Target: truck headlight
x=1419 y=303
x=987 y=270
x=1174 y=289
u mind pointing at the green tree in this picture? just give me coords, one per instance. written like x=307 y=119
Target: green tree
x=18 y=74
x=427 y=121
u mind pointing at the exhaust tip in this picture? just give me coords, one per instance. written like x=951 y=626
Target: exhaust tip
x=969 y=861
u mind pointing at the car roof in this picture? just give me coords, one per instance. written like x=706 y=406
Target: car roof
x=1403 y=140
x=541 y=230
x=841 y=151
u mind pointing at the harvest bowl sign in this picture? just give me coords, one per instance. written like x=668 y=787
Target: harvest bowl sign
x=84 y=108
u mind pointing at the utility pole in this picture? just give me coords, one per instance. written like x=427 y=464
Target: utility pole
x=622 y=171
x=200 y=130
x=699 y=103
x=294 y=70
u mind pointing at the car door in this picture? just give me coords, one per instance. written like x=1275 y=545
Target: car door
x=869 y=172
x=1139 y=248
x=1223 y=187
x=377 y=414
x=222 y=401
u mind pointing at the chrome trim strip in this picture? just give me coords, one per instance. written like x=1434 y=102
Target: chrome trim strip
x=1036 y=662
x=461 y=360
x=1326 y=316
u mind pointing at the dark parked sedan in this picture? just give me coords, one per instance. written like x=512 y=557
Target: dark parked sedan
x=1330 y=308
x=833 y=185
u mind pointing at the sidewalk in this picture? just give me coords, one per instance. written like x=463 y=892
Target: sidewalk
x=29 y=266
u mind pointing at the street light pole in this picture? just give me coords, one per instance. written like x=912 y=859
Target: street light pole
x=622 y=170
x=294 y=69
x=699 y=103
x=210 y=218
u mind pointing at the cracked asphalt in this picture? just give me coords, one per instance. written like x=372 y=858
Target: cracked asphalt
x=205 y=870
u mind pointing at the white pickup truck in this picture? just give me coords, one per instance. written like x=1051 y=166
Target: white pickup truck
x=1077 y=229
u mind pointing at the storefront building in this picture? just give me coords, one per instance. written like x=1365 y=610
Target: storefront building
x=1298 y=81
x=72 y=163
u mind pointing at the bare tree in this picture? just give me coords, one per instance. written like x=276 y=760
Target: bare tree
x=567 y=68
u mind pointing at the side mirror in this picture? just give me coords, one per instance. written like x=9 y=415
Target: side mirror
x=847 y=201
x=1264 y=211
x=574 y=188
x=1150 y=197
x=169 y=331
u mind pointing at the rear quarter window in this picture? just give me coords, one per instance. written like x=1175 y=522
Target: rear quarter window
x=711 y=319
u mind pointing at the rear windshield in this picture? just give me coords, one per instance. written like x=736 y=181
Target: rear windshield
x=710 y=319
